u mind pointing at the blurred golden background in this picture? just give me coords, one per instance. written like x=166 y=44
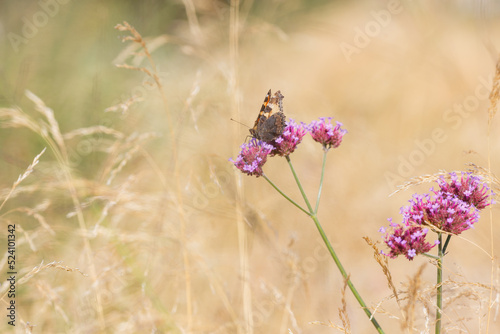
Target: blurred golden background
x=140 y=224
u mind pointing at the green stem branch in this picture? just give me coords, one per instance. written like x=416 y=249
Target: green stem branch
x=300 y=186
x=314 y=217
x=346 y=277
x=321 y=182
x=439 y=283
x=448 y=238
x=283 y=194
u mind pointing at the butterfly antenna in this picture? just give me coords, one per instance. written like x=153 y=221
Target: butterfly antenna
x=239 y=123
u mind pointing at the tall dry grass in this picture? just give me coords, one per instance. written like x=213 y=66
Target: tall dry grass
x=133 y=220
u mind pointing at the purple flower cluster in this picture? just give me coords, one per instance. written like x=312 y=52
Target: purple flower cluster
x=254 y=154
x=407 y=240
x=325 y=133
x=469 y=189
x=453 y=208
x=446 y=212
x=291 y=137
x=252 y=157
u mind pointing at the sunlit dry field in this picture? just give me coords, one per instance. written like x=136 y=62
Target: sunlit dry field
x=133 y=220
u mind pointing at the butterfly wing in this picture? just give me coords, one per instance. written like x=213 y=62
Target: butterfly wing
x=254 y=130
x=271 y=127
x=271 y=119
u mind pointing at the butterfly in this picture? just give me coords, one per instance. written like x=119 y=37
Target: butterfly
x=271 y=120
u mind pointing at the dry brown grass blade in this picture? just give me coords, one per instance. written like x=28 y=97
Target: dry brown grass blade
x=16 y=118
x=30 y=168
x=135 y=68
x=27 y=237
x=330 y=324
x=137 y=38
x=99 y=129
x=131 y=146
x=417 y=180
x=494 y=94
x=53 y=296
x=28 y=328
x=35 y=213
x=23 y=176
x=153 y=43
x=42 y=267
x=49 y=115
x=50 y=132
x=194 y=25
x=384 y=264
x=428 y=178
x=489 y=177
x=344 y=317
x=123 y=189
x=413 y=297
x=125 y=105
x=295 y=279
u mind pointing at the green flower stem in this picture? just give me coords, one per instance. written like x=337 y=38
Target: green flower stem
x=434 y=257
x=448 y=238
x=439 y=283
x=346 y=277
x=321 y=182
x=314 y=217
x=283 y=194
x=300 y=186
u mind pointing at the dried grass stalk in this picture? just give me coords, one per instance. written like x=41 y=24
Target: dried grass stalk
x=42 y=267
x=23 y=176
x=344 y=317
x=494 y=94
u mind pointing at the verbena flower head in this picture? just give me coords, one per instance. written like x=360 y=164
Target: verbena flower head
x=291 y=137
x=252 y=157
x=444 y=211
x=453 y=208
x=469 y=189
x=324 y=132
x=407 y=240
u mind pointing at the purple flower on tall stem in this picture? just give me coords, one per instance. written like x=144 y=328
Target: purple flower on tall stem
x=324 y=132
x=287 y=142
x=407 y=240
x=453 y=209
x=252 y=157
x=469 y=189
x=446 y=212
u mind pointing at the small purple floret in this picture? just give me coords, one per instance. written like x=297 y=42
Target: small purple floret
x=454 y=208
x=324 y=132
x=288 y=141
x=252 y=157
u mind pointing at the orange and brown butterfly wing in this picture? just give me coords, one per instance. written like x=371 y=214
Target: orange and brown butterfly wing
x=271 y=120
x=253 y=131
x=272 y=127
